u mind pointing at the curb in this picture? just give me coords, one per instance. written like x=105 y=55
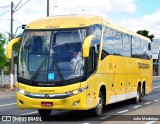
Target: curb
x=7 y=90
x=156 y=76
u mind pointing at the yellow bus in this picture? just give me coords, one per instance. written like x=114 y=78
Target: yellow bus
x=80 y=62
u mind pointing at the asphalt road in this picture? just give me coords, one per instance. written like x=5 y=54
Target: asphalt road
x=122 y=112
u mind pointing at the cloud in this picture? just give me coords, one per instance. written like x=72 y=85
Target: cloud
x=123 y=5
x=35 y=9
x=150 y=22
x=103 y=5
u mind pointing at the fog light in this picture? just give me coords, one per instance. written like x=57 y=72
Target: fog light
x=21 y=101
x=75 y=103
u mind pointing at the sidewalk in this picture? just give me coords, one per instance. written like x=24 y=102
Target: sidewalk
x=6 y=88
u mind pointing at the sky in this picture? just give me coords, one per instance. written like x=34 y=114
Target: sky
x=132 y=14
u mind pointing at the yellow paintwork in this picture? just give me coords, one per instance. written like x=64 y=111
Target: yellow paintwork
x=58 y=104
x=120 y=75
x=9 y=47
x=48 y=90
x=65 y=21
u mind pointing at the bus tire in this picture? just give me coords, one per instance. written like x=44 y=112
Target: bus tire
x=138 y=95
x=44 y=113
x=99 y=108
x=142 y=94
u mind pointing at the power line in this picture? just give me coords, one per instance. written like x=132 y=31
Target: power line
x=5 y=19
x=5 y=6
x=17 y=22
x=53 y=10
x=17 y=5
x=4 y=12
x=22 y=16
x=21 y=6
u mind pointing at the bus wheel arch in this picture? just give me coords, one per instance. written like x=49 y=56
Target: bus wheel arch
x=101 y=101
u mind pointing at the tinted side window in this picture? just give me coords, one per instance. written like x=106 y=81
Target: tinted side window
x=118 y=46
x=140 y=49
x=147 y=52
x=136 y=48
x=126 y=41
x=95 y=30
x=107 y=42
x=112 y=42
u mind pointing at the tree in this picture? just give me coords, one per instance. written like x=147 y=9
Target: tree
x=3 y=58
x=16 y=47
x=146 y=34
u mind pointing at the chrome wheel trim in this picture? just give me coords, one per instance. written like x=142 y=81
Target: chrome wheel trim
x=100 y=104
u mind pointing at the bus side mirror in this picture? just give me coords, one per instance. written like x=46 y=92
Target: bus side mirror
x=86 y=45
x=149 y=46
x=10 y=47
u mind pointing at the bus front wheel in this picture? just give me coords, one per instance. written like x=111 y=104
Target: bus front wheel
x=99 y=108
x=44 y=113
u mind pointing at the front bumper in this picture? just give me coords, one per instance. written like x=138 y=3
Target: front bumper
x=76 y=102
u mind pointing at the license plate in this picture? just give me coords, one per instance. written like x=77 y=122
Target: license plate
x=47 y=104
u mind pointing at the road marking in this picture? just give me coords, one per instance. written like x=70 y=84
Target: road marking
x=137 y=106
x=150 y=122
x=122 y=111
x=8 y=104
x=105 y=117
x=86 y=123
x=156 y=100
x=29 y=113
x=156 y=87
x=147 y=103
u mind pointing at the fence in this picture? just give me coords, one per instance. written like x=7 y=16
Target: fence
x=5 y=79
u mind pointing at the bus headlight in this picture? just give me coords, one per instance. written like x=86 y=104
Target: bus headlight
x=75 y=92
x=23 y=92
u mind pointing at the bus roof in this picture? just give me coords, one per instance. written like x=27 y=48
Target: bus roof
x=75 y=20
x=65 y=21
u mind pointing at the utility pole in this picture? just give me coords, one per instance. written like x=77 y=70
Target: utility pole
x=12 y=20
x=11 y=61
x=47 y=7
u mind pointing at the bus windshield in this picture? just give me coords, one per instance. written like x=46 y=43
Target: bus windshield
x=51 y=56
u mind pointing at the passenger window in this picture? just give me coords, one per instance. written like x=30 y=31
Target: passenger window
x=107 y=42
x=112 y=43
x=117 y=43
x=126 y=41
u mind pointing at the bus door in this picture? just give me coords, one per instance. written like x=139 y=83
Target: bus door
x=91 y=80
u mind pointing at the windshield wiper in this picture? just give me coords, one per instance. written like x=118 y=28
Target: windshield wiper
x=58 y=70
x=35 y=75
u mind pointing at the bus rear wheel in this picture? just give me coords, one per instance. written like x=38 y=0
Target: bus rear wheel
x=142 y=93
x=138 y=96
x=99 y=108
x=44 y=113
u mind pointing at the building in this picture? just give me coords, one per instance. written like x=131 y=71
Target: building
x=156 y=57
